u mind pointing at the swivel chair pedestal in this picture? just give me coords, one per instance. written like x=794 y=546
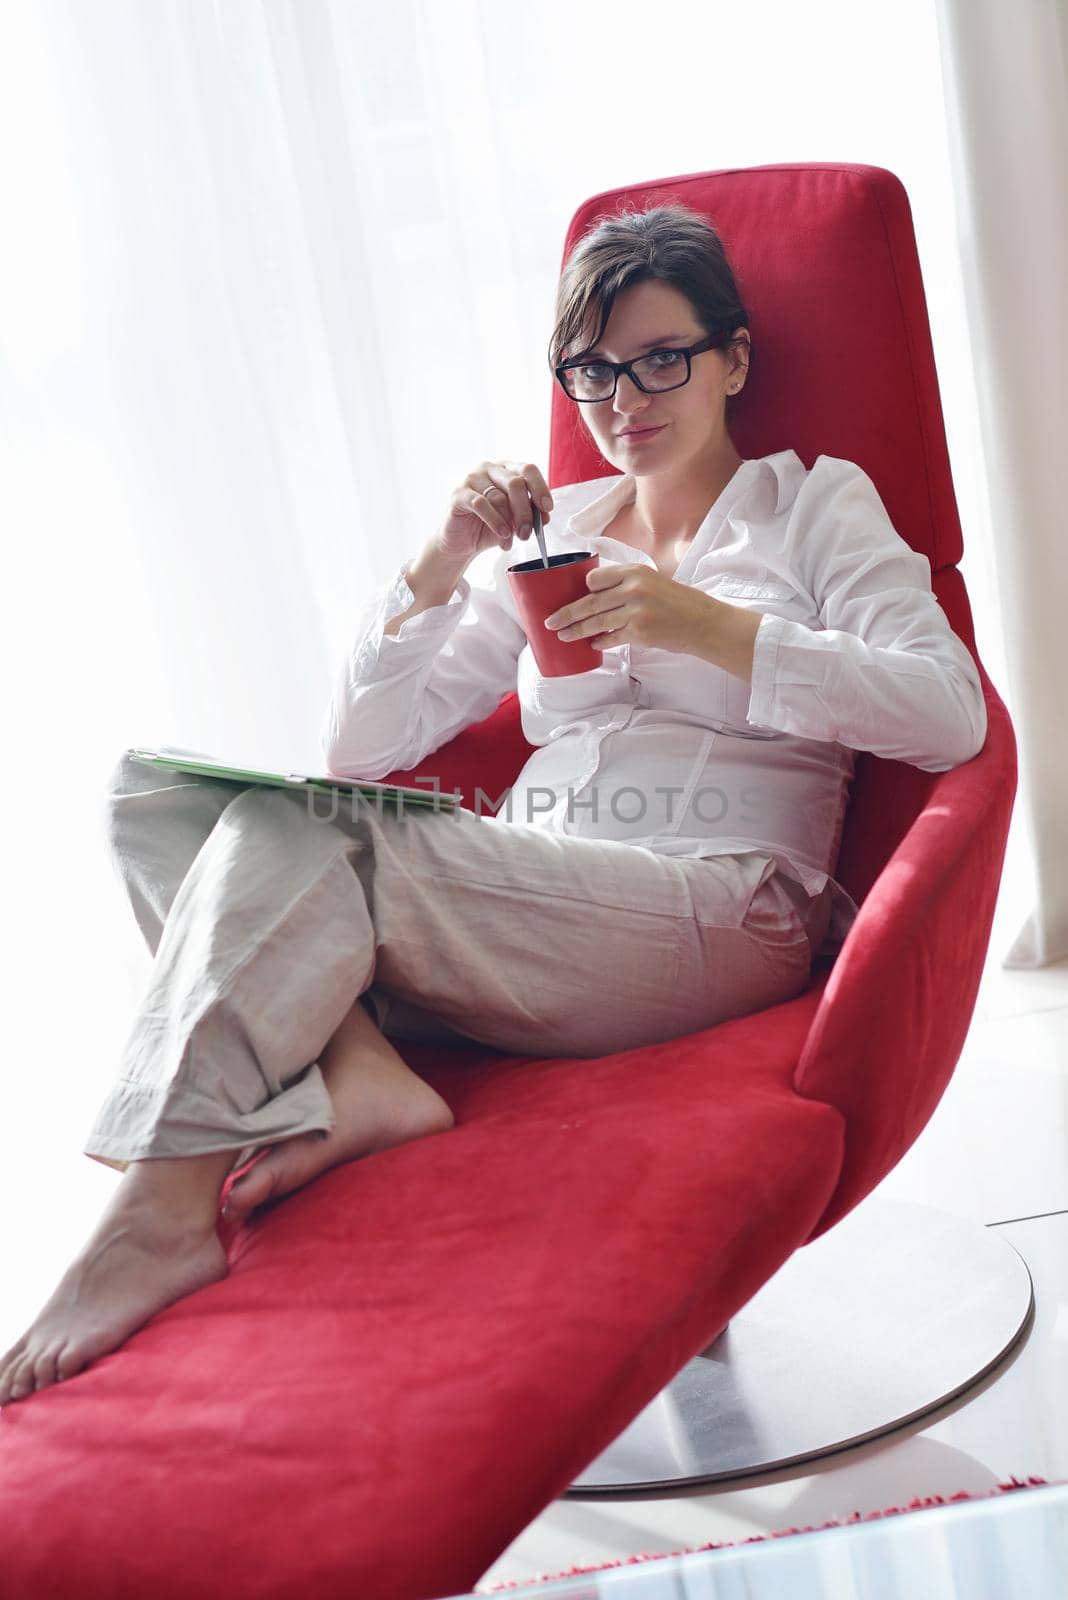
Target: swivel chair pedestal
x=893 y=1312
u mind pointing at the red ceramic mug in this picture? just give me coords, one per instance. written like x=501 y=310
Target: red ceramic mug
x=538 y=591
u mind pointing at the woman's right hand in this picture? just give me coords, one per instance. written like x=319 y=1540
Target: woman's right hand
x=490 y=506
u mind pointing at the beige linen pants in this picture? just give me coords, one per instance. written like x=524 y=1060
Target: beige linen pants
x=267 y=917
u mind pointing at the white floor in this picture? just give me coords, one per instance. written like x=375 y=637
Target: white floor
x=996 y=1151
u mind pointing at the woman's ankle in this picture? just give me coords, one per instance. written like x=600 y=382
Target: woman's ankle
x=181 y=1192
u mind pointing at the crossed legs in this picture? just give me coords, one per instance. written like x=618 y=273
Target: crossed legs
x=156 y=1240
x=264 y=925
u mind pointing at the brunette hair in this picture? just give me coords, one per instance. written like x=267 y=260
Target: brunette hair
x=670 y=243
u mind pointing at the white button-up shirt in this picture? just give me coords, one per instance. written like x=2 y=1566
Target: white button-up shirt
x=663 y=749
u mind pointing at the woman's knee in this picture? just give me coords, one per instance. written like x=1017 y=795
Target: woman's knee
x=128 y=776
x=141 y=801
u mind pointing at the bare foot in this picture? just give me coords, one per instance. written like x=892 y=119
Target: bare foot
x=136 y=1263
x=378 y=1103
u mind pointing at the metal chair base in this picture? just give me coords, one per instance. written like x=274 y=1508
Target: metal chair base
x=898 y=1309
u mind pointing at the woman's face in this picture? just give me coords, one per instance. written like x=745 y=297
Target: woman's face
x=691 y=418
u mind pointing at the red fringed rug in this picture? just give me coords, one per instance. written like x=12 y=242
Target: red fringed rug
x=916 y=1504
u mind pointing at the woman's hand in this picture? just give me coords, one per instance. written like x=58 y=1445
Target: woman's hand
x=490 y=506
x=633 y=604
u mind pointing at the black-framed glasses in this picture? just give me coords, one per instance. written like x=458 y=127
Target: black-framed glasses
x=588 y=382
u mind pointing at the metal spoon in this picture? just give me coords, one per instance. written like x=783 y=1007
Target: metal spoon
x=539 y=535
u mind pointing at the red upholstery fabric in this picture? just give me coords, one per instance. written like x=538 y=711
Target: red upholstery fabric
x=897 y=1006
x=413 y=1356
x=416 y=1353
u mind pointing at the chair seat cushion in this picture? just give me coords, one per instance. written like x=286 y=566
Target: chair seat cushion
x=412 y=1356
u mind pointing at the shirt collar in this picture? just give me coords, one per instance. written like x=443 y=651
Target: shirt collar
x=784 y=467
x=789 y=472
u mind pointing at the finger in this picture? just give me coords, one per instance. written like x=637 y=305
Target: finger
x=619 y=572
x=487 y=510
x=503 y=506
x=606 y=638
x=537 y=488
x=491 y=486
x=611 y=576
x=519 y=504
x=595 y=622
x=572 y=612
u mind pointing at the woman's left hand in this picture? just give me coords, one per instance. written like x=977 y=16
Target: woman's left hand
x=633 y=604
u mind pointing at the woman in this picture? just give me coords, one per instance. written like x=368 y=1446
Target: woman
x=759 y=623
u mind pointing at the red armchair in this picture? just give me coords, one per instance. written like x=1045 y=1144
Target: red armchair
x=413 y=1356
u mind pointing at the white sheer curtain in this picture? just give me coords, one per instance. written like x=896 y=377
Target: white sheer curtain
x=276 y=275
x=1006 y=72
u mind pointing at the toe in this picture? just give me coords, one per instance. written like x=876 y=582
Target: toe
x=69 y=1361
x=285 y=1167
x=44 y=1368
x=21 y=1381
x=251 y=1190
x=7 y=1368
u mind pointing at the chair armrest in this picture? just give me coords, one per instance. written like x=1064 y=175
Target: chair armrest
x=898 y=1004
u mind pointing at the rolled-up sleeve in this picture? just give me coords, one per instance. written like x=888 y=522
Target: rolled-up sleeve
x=885 y=673
x=398 y=697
